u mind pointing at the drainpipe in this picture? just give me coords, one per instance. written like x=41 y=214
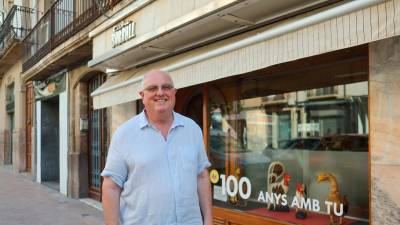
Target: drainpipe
x=263 y=36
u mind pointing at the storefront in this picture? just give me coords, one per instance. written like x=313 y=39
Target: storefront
x=51 y=115
x=273 y=133
x=285 y=111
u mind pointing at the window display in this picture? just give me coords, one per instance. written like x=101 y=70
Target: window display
x=295 y=155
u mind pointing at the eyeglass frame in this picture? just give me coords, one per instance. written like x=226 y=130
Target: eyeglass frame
x=155 y=88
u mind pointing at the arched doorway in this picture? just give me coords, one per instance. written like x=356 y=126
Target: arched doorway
x=194 y=109
x=189 y=102
x=98 y=138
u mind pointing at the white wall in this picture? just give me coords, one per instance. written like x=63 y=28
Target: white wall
x=38 y=142
x=357 y=89
x=33 y=5
x=63 y=142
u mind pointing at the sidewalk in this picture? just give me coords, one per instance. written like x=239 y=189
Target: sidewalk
x=24 y=202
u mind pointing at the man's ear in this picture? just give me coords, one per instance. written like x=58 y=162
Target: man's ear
x=141 y=94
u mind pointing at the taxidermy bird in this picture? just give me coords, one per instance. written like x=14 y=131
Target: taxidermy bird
x=335 y=198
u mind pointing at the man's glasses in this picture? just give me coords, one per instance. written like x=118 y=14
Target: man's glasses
x=155 y=88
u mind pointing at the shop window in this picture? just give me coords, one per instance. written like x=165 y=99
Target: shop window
x=284 y=150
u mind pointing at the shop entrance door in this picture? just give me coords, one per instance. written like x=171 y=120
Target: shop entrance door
x=50 y=142
x=98 y=140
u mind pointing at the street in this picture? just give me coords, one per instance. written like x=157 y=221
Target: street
x=24 y=202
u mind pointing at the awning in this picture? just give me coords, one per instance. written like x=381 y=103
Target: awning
x=118 y=89
x=344 y=26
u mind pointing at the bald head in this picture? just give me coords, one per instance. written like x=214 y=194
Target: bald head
x=154 y=74
x=158 y=95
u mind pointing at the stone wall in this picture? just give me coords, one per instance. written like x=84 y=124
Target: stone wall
x=78 y=176
x=11 y=77
x=385 y=131
x=19 y=149
x=120 y=114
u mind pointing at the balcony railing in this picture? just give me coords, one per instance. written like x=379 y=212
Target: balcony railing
x=278 y=98
x=323 y=92
x=16 y=25
x=63 y=20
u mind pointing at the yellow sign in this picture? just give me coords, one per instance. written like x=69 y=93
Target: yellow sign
x=214 y=176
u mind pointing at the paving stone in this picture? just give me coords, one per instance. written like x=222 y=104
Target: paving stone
x=24 y=202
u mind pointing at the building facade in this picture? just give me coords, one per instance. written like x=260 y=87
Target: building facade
x=16 y=23
x=288 y=95
x=296 y=99
x=62 y=147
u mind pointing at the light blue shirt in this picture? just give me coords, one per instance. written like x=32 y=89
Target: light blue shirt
x=158 y=177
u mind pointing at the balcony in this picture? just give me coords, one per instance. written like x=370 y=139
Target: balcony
x=15 y=27
x=326 y=92
x=63 y=20
x=275 y=99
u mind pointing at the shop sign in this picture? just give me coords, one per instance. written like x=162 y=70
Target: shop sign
x=232 y=186
x=50 y=87
x=122 y=33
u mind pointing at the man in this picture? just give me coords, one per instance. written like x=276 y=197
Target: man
x=156 y=171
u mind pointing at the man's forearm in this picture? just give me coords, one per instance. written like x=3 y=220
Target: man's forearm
x=204 y=192
x=110 y=198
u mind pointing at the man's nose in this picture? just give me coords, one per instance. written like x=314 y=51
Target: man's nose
x=160 y=91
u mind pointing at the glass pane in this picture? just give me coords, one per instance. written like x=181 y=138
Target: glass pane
x=268 y=148
x=98 y=128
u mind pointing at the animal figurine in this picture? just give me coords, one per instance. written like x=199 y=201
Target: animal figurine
x=278 y=184
x=301 y=193
x=334 y=197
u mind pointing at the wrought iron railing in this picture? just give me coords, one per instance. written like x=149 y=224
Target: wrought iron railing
x=63 y=20
x=16 y=25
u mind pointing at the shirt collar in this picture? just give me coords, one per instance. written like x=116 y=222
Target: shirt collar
x=143 y=122
x=178 y=120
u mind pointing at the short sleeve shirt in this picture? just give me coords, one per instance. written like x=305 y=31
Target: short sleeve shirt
x=158 y=176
